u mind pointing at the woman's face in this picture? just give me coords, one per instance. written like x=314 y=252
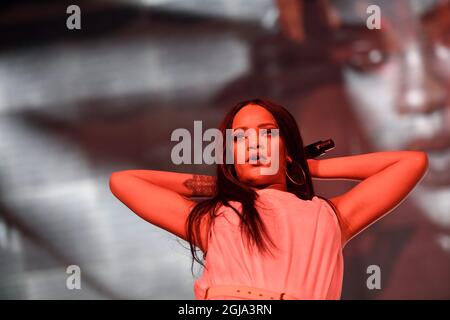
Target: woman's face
x=258 y=143
x=398 y=79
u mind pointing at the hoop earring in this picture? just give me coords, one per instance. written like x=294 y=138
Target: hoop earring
x=303 y=173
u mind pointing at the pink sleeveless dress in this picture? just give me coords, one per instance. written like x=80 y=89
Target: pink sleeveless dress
x=307 y=261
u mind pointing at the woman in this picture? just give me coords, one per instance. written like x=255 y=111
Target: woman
x=270 y=236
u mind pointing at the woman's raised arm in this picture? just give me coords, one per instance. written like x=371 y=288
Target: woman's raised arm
x=387 y=178
x=185 y=184
x=162 y=197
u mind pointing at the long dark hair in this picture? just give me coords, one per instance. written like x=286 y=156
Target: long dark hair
x=229 y=188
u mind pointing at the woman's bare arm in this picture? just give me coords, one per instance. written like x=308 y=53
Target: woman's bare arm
x=161 y=197
x=387 y=178
x=185 y=184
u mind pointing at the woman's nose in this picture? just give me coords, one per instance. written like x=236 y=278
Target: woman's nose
x=253 y=146
x=255 y=142
x=422 y=90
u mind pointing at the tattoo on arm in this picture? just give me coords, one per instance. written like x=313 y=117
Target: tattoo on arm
x=201 y=185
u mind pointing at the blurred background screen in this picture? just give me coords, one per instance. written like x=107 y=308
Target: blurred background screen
x=78 y=104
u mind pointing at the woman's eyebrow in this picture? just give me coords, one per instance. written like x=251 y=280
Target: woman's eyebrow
x=259 y=125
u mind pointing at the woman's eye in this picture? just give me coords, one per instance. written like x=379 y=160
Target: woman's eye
x=367 y=60
x=239 y=136
x=269 y=132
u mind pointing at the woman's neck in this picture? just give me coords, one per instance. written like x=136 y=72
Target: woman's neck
x=278 y=186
